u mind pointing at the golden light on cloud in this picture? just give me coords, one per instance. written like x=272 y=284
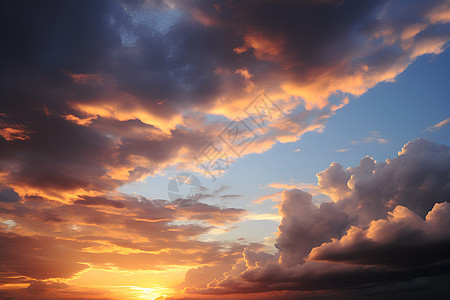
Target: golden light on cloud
x=440 y=14
x=115 y=109
x=266 y=48
x=12 y=132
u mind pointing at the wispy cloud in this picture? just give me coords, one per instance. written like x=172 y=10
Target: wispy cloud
x=272 y=217
x=274 y=197
x=311 y=188
x=439 y=125
x=342 y=150
x=373 y=137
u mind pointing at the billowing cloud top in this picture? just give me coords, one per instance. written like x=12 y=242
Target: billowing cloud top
x=390 y=228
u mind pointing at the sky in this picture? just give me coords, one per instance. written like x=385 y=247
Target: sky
x=165 y=149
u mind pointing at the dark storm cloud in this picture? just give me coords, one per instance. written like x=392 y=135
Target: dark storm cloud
x=302 y=218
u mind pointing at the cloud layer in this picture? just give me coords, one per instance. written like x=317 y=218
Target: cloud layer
x=109 y=92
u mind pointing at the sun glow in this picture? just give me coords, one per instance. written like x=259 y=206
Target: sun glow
x=133 y=284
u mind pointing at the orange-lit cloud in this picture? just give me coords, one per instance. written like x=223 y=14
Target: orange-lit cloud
x=265 y=48
x=13 y=132
x=439 y=125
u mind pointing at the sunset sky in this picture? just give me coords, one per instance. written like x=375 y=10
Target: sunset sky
x=159 y=149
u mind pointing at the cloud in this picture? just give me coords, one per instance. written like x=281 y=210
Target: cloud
x=274 y=196
x=273 y=217
x=293 y=185
x=145 y=90
x=333 y=181
x=40 y=258
x=439 y=125
x=11 y=132
x=213 y=214
x=401 y=240
x=374 y=137
x=87 y=200
x=388 y=229
x=49 y=240
x=303 y=221
x=8 y=195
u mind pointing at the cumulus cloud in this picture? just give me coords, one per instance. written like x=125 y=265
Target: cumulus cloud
x=333 y=181
x=388 y=229
x=305 y=225
x=401 y=240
